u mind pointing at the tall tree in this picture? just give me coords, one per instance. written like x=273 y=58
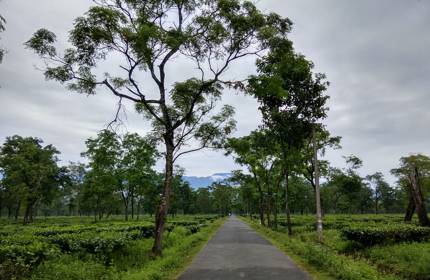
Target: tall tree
x=103 y=178
x=73 y=189
x=317 y=188
x=260 y=155
x=121 y=164
x=414 y=174
x=324 y=141
x=135 y=164
x=30 y=171
x=223 y=198
x=204 y=201
x=247 y=190
x=149 y=35
x=381 y=191
x=291 y=99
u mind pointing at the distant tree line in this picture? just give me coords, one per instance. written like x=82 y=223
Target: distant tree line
x=119 y=179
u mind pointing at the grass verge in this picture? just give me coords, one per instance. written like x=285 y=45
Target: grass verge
x=176 y=257
x=320 y=261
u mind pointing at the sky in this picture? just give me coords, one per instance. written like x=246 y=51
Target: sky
x=375 y=55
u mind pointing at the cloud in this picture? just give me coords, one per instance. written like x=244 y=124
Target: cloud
x=375 y=54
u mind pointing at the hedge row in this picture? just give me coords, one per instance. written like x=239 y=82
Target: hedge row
x=384 y=234
x=21 y=253
x=17 y=259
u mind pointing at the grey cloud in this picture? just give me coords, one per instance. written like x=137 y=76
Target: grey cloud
x=375 y=54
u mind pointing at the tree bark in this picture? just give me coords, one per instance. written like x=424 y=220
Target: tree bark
x=268 y=209
x=275 y=212
x=317 y=191
x=410 y=208
x=29 y=211
x=261 y=202
x=418 y=198
x=261 y=210
x=377 y=199
x=125 y=199
x=287 y=206
x=163 y=207
x=18 y=207
x=132 y=204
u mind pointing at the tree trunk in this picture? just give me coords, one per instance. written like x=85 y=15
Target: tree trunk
x=418 y=198
x=163 y=207
x=376 y=205
x=132 y=205
x=261 y=206
x=268 y=210
x=287 y=206
x=29 y=212
x=317 y=190
x=126 y=200
x=18 y=206
x=410 y=209
x=26 y=215
x=275 y=208
x=262 y=220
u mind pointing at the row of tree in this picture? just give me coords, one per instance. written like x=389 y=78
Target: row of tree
x=118 y=179
x=211 y=36
x=130 y=185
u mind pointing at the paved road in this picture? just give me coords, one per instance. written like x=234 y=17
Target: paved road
x=238 y=252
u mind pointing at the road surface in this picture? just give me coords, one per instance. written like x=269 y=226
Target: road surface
x=238 y=252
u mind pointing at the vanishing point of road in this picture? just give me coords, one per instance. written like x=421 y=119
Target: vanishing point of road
x=238 y=252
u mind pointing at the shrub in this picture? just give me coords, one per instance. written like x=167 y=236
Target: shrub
x=71 y=268
x=410 y=261
x=16 y=261
x=322 y=258
x=384 y=234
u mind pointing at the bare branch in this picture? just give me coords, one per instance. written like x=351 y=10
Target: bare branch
x=117 y=117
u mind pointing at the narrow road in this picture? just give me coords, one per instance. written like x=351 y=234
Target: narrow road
x=238 y=252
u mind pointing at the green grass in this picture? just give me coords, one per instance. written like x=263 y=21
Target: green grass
x=407 y=260
x=176 y=258
x=333 y=259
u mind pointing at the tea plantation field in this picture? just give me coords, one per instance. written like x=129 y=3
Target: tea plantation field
x=355 y=246
x=77 y=248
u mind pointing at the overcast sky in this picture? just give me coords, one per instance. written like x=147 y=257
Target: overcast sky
x=376 y=54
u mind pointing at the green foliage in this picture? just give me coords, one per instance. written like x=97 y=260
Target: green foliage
x=20 y=259
x=69 y=267
x=148 y=35
x=119 y=166
x=103 y=250
x=384 y=234
x=223 y=198
x=30 y=172
x=321 y=259
x=407 y=260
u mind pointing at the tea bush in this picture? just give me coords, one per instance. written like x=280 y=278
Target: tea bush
x=112 y=246
x=384 y=234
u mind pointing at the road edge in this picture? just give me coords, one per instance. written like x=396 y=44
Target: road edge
x=297 y=260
